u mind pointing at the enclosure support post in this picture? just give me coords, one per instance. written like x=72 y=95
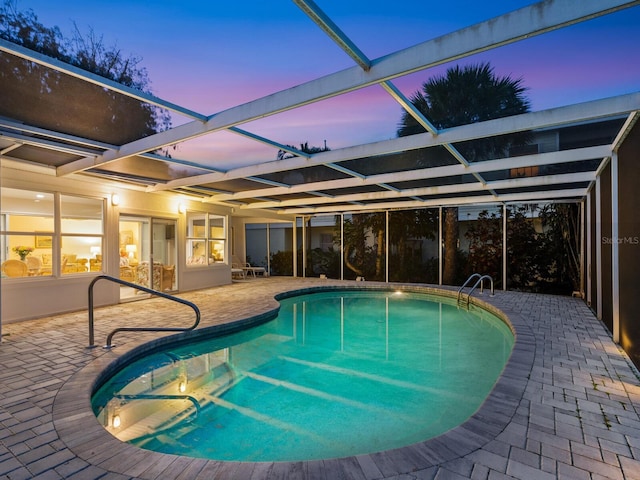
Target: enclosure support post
x=440 y=246
x=598 y=239
x=504 y=247
x=615 y=249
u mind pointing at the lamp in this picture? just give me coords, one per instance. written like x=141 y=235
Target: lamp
x=131 y=250
x=115 y=199
x=95 y=250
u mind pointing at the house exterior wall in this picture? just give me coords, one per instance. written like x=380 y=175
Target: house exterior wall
x=629 y=243
x=34 y=297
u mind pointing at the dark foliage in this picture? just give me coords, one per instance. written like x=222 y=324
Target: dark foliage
x=46 y=98
x=466 y=95
x=546 y=262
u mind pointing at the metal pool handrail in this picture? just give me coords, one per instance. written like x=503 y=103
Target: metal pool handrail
x=480 y=282
x=473 y=275
x=137 y=329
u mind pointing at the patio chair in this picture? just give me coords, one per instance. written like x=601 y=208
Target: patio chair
x=168 y=276
x=249 y=269
x=34 y=264
x=237 y=271
x=15 y=268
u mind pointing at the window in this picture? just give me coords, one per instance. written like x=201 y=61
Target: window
x=206 y=239
x=81 y=225
x=217 y=236
x=28 y=233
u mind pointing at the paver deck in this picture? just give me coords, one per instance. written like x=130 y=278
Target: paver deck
x=566 y=406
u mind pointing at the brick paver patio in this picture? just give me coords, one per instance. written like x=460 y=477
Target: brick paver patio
x=566 y=406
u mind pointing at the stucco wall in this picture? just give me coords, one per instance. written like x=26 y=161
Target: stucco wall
x=33 y=297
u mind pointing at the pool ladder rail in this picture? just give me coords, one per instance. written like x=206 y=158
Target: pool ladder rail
x=480 y=281
x=137 y=329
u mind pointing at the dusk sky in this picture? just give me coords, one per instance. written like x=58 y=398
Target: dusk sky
x=209 y=56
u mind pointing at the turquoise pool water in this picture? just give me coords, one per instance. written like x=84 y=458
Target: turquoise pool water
x=337 y=373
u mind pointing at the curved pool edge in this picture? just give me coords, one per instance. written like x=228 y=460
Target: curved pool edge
x=81 y=432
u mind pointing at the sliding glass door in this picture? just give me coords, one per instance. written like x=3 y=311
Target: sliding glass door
x=148 y=254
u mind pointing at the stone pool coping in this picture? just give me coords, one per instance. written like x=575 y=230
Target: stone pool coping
x=81 y=432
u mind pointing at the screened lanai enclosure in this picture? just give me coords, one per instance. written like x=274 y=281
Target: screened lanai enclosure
x=554 y=214
x=535 y=247
x=71 y=121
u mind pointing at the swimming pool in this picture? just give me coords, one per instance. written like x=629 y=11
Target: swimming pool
x=336 y=373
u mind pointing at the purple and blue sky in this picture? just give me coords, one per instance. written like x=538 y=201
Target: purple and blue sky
x=210 y=56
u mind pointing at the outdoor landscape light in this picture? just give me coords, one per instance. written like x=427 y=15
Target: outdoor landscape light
x=115 y=421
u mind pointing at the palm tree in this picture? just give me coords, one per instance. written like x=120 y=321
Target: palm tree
x=462 y=96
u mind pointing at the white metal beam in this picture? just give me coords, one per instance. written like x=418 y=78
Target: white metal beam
x=514 y=26
x=615 y=249
x=40 y=59
x=425 y=123
x=43 y=132
x=8 y=149
x=405 y=103
x=335 y=33
x=549 y=158
x=521 y=182
x=48 y=144
x=271 y=143
x=624 y=131
x=476 y=200
x=598 y=240
x=620 y=105
x=589 y=240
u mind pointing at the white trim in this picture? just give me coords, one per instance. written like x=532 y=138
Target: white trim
x=582 y=247
x=440 y=246
x=589 y=239
x=73 y=71
x=522 y=182
x=295 y=247
x=386 y=246
x=599 y=248
x=574 y=193
x=615 y=249
x=527 y=121
x=538 y=159
x=504 y=247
